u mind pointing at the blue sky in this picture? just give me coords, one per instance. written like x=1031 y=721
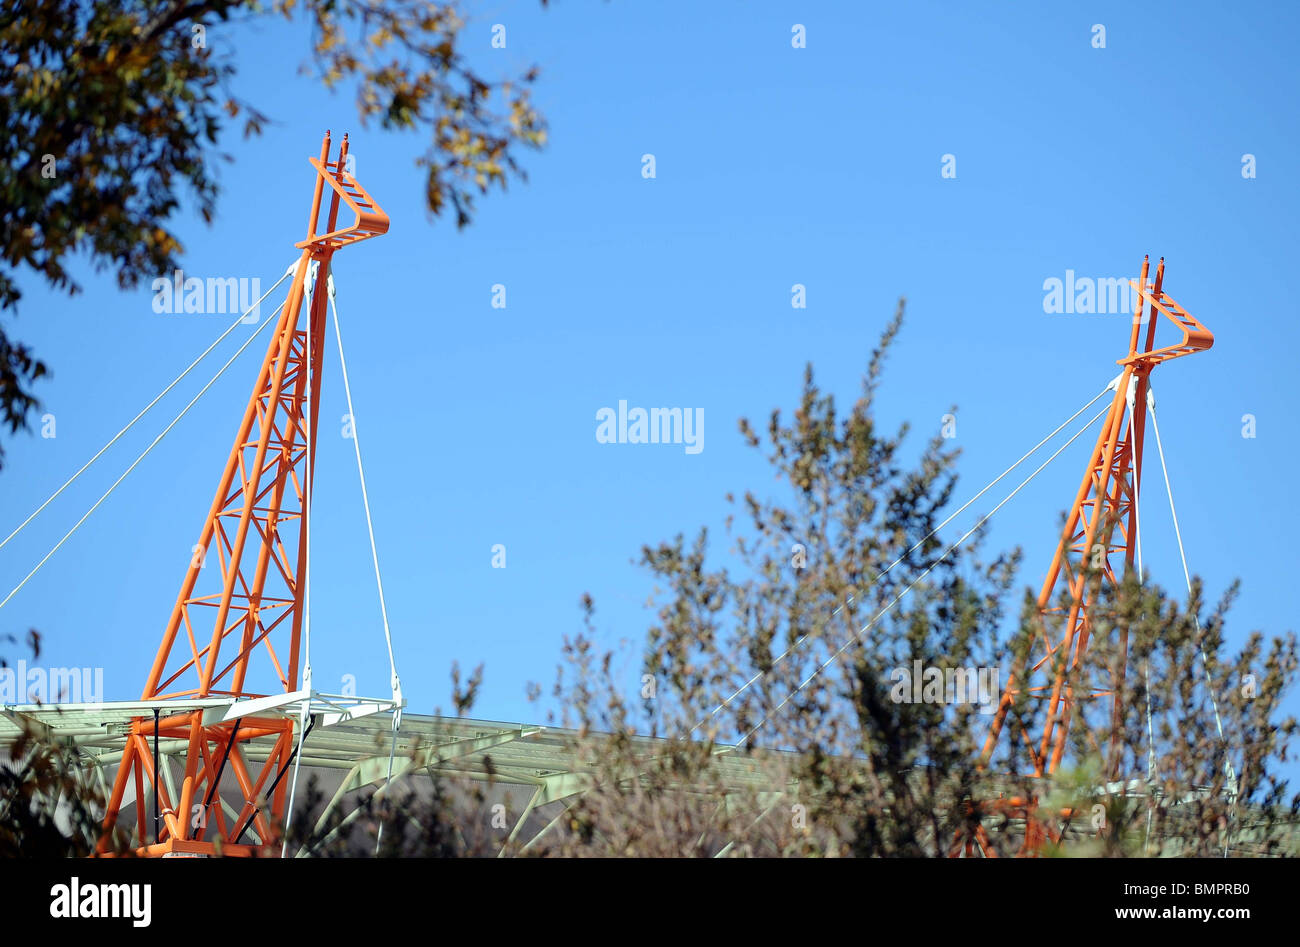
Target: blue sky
x=774 y=166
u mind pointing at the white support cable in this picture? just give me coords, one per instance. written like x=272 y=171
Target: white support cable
x=365 y=498
x=374 y=553
x=1229 y=770
x=1146 y=665
x=142 y=456
x=897 y=598
x=308 y=289
x=917 y=545
x=116 y=437
x=1131 y=399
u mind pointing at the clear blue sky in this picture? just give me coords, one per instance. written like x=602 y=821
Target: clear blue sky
x=775 y=166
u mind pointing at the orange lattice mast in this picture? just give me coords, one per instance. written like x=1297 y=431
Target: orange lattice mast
x=237 y=647
x=1101 y=527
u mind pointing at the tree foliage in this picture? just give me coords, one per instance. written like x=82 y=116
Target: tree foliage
x=786 y=651
x=114 y=109
x=769 y=719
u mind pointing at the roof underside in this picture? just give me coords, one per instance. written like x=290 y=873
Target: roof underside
x=508 y=752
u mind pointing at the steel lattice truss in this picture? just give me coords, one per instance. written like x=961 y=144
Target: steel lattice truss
x=257 y=527
x=350 y=737
x=1099 y=537
x=228 y=709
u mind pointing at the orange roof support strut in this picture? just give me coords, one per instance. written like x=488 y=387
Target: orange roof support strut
x=1100 y=529
x=253 y=543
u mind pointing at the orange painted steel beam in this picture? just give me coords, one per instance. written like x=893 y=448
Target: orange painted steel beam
x=257 y=526
x=1101 y=527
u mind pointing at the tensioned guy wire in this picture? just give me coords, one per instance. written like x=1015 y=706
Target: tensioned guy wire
x=185 y=410
x=116 y=437
x=361 y=473
x=374 y=553
x=309 y=289
x=947 y=552
x=1228 y=769
x=965 y=506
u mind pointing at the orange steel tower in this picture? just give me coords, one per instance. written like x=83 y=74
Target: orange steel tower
x=258 y=524
x=1101 y=527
